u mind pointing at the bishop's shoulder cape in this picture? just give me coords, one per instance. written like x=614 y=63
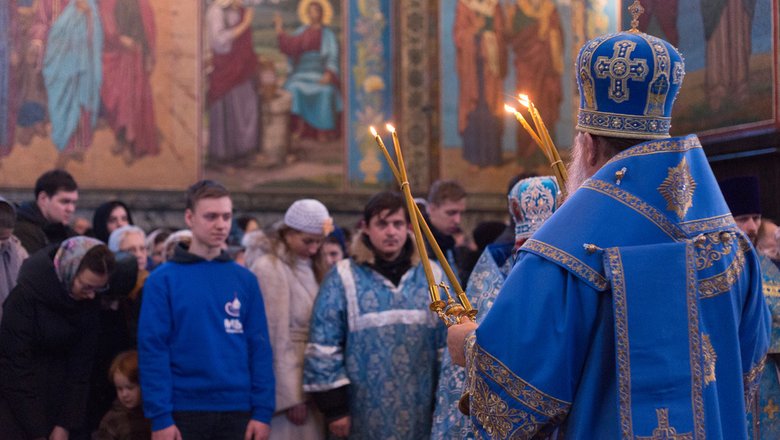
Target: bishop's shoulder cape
x=634 y=312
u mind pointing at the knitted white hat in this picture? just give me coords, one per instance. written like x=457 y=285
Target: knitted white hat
x=309 y=215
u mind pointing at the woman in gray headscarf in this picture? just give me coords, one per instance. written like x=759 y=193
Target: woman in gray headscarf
x=48 y=339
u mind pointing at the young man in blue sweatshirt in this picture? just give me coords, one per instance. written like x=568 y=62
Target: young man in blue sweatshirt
x=204 y=354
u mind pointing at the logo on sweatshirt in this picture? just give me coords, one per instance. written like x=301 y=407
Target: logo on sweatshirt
x=233 y=309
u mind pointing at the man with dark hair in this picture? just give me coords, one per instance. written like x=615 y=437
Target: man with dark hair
x=446 y=205
x=203 y=347
x=636 y=310
x=45 y=220
x=371 y=361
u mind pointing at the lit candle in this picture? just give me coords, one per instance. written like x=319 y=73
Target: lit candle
x=386 y=153
x=555 y=158
x=527 y=126
x=525 y=101
x=544 y=140
x=411 y=207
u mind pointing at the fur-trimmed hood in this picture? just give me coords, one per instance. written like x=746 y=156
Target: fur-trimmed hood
x=362 y=252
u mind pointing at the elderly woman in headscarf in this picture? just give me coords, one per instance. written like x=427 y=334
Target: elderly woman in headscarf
x=12 y=253
x=48 y=337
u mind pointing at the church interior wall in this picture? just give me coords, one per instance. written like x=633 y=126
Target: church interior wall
x=390 y=61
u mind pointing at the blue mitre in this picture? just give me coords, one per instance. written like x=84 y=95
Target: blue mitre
x=628 y=82
x=531 y=202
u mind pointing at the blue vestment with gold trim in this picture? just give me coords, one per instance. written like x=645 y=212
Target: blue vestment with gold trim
x=485 y=281
x=657 y=330
x=766 y=425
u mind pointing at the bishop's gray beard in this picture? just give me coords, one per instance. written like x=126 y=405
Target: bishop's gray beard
x=577 y=169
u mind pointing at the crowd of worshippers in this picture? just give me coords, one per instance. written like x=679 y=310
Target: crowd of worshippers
x=306 y=328
x=302 y=328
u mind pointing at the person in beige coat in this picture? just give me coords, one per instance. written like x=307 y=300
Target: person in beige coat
x=289 y=281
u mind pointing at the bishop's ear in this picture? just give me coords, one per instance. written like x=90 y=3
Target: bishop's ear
x=590 y=149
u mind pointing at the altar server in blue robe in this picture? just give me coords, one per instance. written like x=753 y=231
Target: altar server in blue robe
x=531 y=201
x=372 y=358
x=743 y=196
x=636 y=311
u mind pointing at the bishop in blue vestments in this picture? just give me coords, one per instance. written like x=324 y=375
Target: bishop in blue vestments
x=636 y=311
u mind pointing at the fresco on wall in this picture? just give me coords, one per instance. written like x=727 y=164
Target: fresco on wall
x=729 y=60
x=291 y=88
x=490 y=51
x=88 y=86
x=274 y=93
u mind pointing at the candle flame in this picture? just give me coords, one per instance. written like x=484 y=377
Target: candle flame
x=390 y=128
x=524 y=100
x=509 y=108
x=373 y=131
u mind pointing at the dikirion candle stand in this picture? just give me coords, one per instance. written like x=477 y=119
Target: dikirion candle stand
x=449 y=311
x=542 y=138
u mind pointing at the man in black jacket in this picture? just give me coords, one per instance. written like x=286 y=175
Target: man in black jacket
x=44 y=220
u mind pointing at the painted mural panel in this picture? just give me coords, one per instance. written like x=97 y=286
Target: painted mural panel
x=490 y=51
x=90 y=86
x=291 y=86
x=370 y=90
x=730 y=59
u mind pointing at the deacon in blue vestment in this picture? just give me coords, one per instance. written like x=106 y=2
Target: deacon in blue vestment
x=636 y=311
x=531 y=201
x=372 y=359
x=743 y=196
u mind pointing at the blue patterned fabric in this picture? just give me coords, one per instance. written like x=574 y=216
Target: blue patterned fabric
x=384 y=342
x=531 y=202
x=628 y=82
x=484 y=283
x=551 y=351
x=767 y=404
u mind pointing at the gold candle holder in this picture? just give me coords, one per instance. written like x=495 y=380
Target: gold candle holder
x=448 y=311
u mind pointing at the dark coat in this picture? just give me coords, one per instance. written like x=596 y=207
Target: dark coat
x=35 y=232
x=121 y=423
x=47 y=348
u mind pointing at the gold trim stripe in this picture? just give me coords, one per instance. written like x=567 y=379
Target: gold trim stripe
x=568 y=261
x=694 y=339
x=750 y=381
x=725 y=221
x=522 y=391
x=622 y=347
x=642 y=208
x=772 y=290
x=658 y=147
x=724 y=281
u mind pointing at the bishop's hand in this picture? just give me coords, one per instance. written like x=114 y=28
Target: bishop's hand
x=456 y=339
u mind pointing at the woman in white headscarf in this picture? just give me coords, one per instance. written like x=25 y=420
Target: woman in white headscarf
x=289 y=281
